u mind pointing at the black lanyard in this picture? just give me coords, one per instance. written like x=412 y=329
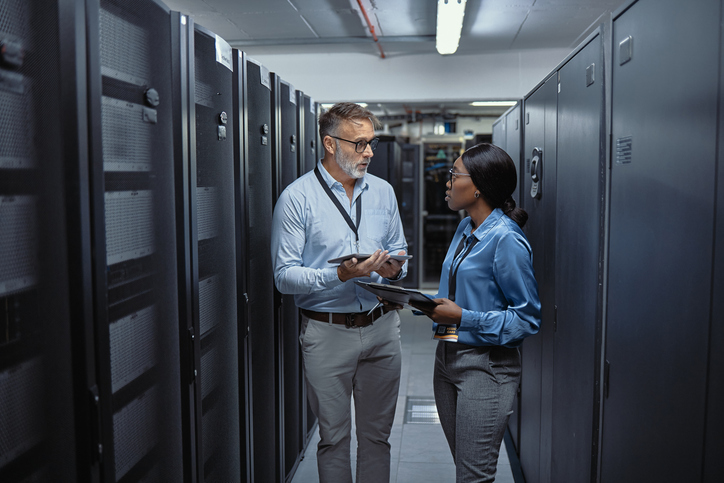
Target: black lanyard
x=451 y=281
x=341 y=208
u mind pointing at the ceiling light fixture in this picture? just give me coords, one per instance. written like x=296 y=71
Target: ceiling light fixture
x=493 y=103
x=450 y=15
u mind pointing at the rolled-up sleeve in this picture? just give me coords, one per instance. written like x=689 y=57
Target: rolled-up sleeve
x=287 y=248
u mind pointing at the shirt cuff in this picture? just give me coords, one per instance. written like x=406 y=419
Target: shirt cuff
x=468 y=320
x=330 y=277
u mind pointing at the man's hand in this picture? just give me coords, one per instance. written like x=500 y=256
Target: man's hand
x=446 y=313
x=391 y=269
x=352 y=268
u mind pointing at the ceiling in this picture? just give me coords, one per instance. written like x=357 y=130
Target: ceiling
x=402 y=27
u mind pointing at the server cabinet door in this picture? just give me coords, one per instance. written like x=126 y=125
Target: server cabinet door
x=285 y=111
x=311 y=135
x=38 y=100
x=212 y=201
x=132 y=170
x=539 y=200
x=499 y=137
x=513 y=140
x=714 y=443
x=512 y=130
x=260 y=284
x=409 y=194
x=242 y=279
x=663 y=181
x=578 y=248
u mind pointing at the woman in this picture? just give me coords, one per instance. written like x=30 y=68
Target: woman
x=489 y=304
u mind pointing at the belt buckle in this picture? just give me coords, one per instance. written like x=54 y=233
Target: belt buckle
x=349 y=320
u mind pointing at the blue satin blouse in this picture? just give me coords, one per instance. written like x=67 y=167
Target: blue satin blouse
x=495 y=284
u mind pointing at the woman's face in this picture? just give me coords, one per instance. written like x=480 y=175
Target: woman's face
x=460 y=192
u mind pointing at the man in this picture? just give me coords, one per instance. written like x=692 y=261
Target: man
x=348 y=348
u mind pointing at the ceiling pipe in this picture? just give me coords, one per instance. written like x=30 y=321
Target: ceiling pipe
x=372 y=27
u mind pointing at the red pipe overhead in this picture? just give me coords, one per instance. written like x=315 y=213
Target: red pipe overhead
x=372 y=28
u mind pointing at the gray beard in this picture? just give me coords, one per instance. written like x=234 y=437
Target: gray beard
x=347 y=164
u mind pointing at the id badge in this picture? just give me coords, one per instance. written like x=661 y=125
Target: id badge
x=447 y=333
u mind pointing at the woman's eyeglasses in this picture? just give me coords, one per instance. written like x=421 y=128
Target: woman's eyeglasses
x=360 y=146
x=454 y=174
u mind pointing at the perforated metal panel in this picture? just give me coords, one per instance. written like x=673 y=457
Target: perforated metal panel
x=21 y=400
x=37 y=418
x=135 y=431
x=260 y=284
x=18 y=243
x=139 y=341
x=134 y=342
x=127 y=140
x=213 y=175
x=129 y=225
x=207 y=203
x=210 y=303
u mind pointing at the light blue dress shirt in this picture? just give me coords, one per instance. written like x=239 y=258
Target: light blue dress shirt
x=495 y=283
x=308 y=230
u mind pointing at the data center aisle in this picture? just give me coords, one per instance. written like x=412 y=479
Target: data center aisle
x=419 y=451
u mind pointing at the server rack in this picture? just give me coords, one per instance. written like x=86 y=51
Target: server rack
x=409 y=206
x=253 y=108
x=539 y=200
x=241 y=224
x=311 y=134
x=285 y=162
x=660 y=259
x=133 y=230
x=508 y=135
x=42 y=437
x=580 y=182
x=212 y=336
x=307 y=150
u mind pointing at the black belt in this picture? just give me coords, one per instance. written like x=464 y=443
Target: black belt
x=359 y=319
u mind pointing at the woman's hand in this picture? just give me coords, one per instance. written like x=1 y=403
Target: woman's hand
x=446 y=312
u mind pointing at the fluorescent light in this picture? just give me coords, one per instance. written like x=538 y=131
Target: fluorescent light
x=450 y=15
x=361 y=104
x=492 y=103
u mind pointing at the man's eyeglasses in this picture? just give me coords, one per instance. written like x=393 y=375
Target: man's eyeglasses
x=360 y=146
x=454 y=174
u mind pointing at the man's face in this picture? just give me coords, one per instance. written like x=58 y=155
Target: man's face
x=354 y=164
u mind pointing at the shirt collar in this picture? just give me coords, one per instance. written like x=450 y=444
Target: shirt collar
x=360 y=184
x=492 y=219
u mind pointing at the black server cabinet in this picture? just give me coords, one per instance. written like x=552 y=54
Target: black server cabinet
x=255 y=164
x=580 y=181
x=662 y=212
x=285 y=158
x=513 y=140
x=386 y=163
x=213 y=334
x=39 y=134
x=538 y=198
x=310 y=146
x=241 y=224
x=499 y=127
x=307 y=150
x=714 y=442
x=134 y=244
x=409 y=196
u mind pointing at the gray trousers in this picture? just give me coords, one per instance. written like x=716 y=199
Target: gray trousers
x=474 y=391
x=339 y=362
